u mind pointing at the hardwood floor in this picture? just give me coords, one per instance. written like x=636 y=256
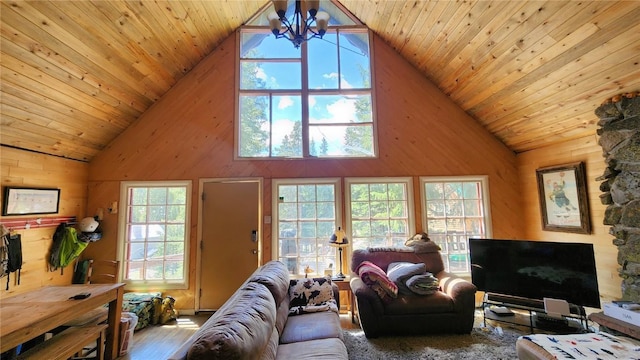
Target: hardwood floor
x=159 y=342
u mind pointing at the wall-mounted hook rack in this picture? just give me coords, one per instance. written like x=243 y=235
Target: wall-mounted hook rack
x=36 y=222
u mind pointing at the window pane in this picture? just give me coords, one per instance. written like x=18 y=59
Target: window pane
x=359 y=141
x=359 y=192
x=339 y=109
x=307 y=193
x=326 y=210
x=472 y=208
x=471 y=190
x=360 y=210
x=354 y=61
x=335 y=141
x=326 y=193
x=323 y=63
x=253 y=135
x=287 y=126
x=256 y=75
x=138 y=213
x=435 y=208
x=177 y=195
x=434 y=191
x=157 y=196
x=174 y=269
x=264 y=45
x=379 y=209
x=138 y=196
x=176 y=213
x=397 y=209
x=288 y=211
x=156 y=213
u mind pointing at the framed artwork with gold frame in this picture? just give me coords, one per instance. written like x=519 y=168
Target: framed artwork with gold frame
x=563 y=198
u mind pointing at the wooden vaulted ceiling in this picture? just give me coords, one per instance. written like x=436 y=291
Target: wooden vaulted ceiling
x=75 y=74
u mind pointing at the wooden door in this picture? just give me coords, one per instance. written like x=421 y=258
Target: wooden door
x=230 y=239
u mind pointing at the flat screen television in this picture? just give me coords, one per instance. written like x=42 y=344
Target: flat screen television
x=535 y=270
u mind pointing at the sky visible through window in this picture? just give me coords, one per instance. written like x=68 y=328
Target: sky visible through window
x=338 y=81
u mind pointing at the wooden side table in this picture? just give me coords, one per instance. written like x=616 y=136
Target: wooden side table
x=615 y=324
x=344 y=285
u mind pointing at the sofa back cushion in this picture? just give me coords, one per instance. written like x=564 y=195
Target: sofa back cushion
x=275 y=276
x=382 y=257
x=240 y=331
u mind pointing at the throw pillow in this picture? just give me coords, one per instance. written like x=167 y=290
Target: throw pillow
x=311 y=295
x=372 y=275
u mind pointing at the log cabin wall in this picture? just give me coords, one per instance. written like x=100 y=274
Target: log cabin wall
x=29 y=169
x=188 y=134
x=588 y=151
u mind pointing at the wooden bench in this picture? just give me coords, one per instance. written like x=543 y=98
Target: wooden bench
x=67 y=343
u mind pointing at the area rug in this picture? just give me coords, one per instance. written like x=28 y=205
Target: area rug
x=482 y=343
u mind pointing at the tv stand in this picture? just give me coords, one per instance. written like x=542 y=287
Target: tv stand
x=530 y=313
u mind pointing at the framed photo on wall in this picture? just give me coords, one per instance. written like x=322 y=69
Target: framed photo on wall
x=27 y=201
x=563 y=198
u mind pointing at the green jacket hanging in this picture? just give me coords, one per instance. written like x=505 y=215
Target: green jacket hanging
x=65 y=248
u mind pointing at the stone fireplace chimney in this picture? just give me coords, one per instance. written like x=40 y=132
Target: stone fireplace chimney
x=619 y=131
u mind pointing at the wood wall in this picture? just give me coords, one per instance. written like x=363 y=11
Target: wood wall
x=29 y=169
x=588 y=151
x=188 y=134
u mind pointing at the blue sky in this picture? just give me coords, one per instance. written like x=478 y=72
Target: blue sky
x=323 y=65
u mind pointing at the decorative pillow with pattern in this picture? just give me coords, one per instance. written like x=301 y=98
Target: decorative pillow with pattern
x=311 y=295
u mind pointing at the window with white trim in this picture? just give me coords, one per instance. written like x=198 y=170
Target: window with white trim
x=305 y=214
x=454 y=210
x=154 y=233
x=379 y=211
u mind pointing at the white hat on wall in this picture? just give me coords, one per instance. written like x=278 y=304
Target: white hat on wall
x=88 y=224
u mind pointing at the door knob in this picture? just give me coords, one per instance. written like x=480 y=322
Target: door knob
x=254 y=252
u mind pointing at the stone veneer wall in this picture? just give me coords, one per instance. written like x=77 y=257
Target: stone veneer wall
x=619 y=131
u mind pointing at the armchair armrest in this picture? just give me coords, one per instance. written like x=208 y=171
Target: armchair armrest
x=365 y=296
x=460 y=290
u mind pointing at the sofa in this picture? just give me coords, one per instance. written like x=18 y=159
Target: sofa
x=449 y=309
x=259 y=321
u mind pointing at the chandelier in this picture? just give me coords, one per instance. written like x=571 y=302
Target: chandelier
x=298 y=29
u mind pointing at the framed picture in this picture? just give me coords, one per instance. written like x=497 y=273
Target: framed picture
x=563 y=198
x=27 y=201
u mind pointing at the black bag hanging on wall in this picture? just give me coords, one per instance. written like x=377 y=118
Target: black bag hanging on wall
x=13 y=246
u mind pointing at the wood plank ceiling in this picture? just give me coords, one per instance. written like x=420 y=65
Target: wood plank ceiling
x=75 y=74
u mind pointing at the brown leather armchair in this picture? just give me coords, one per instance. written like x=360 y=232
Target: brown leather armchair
x=449 y=310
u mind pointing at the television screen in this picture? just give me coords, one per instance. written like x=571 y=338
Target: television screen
x=535 y=270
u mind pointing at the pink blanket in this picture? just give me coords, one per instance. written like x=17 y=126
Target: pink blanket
x=372 y=275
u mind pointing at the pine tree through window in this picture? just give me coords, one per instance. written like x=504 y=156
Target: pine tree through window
x=315 y=101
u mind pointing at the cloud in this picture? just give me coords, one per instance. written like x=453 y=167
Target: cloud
x=285 y=102
x=260 y=74
x=344 y=84
x=342 y=110
x=280 y=129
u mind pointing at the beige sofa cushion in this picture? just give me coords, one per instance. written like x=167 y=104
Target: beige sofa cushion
x=241 y=331
x=321 y=325
x=329 y=349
